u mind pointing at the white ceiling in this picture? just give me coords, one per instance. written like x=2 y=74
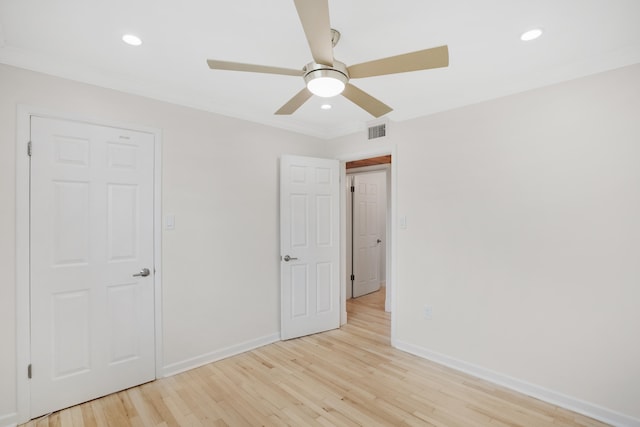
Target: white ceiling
x=80 y=40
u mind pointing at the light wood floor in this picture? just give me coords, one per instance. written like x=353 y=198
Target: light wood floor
x=346 y=377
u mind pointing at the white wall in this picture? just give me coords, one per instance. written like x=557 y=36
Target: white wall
x=221 y=283
x=524 y=236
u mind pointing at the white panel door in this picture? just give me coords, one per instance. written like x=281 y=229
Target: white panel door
x=92 y=320
x=309 y=244
x=366 y=235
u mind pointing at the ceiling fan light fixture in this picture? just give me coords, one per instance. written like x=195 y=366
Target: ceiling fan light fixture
x=326 y=81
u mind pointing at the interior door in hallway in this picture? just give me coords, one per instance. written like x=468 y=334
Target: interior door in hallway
x=366 y=234
x=310 y=245
x=92 y=301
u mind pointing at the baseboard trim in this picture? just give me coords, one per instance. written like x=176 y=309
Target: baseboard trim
x=9 y=420
x=214 y=356
x=585 y=408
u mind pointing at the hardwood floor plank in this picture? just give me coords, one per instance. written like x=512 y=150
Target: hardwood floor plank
x=346 y=377
x=76 y=416
x=88 y=418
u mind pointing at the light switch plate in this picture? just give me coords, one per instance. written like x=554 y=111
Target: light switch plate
x=403 y=221
x=170 y=222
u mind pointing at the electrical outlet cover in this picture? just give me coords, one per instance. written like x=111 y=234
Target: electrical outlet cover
x=428 y=312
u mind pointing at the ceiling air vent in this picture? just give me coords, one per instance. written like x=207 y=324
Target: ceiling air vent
x=377 y=130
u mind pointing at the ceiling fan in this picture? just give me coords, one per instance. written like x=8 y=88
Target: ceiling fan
x=327 y=77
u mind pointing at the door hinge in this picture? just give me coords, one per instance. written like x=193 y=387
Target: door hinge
x=353 y=277
x=29 y=149
x=353 y=189
x=29 y=371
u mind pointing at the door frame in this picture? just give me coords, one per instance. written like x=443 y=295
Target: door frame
x=392 y=231
x=23 y=174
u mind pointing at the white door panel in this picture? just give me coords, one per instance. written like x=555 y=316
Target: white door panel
x=366 y=236
x=92 y=322
x=310 y=236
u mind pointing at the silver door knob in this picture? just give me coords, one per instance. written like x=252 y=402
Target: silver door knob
x=143 y=273
x=288 y=258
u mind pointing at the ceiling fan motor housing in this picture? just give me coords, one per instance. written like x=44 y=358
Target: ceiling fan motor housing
x=313 y=70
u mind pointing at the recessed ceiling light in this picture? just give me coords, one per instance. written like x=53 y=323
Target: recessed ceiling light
x=326 y=106
x=531 y=34
x=132 y=40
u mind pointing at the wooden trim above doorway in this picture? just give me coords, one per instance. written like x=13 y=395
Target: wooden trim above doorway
x=381 y=160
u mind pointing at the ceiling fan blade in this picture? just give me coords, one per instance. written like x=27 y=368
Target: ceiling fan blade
x=237 y=66
x=314 y=15
x=365 y=101
x=435 y=57
x=294 y=103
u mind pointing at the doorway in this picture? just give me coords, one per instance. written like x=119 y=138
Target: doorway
x=364 y=163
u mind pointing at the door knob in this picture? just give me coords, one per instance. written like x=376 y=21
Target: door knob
x=288 y=258
x=143 y=273
x=378 y=241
